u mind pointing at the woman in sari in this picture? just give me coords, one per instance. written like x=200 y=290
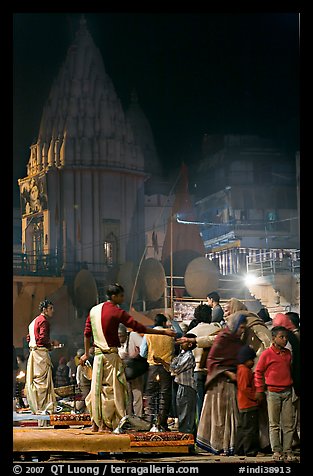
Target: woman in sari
x=218 y=422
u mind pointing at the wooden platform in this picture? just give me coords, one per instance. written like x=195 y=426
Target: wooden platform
x=85 y=441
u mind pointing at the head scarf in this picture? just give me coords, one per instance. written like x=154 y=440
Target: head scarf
x=234 y=321
x=282 y=320
x=224 y=351
x=236 y=305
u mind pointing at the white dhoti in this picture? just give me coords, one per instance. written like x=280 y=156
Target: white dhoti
x=107 y=399
x=39 y=384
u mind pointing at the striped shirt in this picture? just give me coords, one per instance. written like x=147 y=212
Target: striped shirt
x=182 y=367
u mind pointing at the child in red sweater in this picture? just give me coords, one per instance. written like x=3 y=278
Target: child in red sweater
x=273 y=371
x=247 y=438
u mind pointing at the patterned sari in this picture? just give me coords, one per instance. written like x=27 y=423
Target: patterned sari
x=218 y=421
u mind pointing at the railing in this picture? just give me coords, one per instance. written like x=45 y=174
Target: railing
x=51 y=265
x=31 y=264
x=265 y=228
x=270 y=262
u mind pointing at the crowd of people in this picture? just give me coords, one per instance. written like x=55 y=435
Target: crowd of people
x=231 y=378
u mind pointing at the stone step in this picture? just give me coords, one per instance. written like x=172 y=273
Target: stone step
x=233 y=286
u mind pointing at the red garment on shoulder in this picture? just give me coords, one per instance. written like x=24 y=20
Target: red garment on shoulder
x=223 y=354
x=41 y=331
x=111 y=317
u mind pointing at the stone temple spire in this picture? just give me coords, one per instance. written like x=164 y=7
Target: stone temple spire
x=83 y=122
x=83 y=21
x=134 y=96
x=143 y=135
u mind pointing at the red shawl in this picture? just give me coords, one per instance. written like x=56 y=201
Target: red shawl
x=223 y=354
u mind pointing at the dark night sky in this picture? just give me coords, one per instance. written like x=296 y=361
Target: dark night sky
x=194 y=74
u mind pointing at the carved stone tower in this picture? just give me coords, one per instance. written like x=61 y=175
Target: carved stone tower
x=83 y=197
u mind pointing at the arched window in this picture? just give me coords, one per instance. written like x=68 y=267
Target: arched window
x=110 y=249
x=38 y=238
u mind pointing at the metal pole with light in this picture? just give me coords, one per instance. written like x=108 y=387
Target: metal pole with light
x=156 y=417
x=171 y=261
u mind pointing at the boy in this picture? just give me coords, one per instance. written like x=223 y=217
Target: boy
x=274 y=367
x=182 y=367
x=247 y=439
x=213 y=299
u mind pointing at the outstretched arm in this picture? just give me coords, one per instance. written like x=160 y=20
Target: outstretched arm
x=201 y=341
x=129 y=321
x=163 y=332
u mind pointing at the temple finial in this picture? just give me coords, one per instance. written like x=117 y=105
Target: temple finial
x=134 y=96
x=82 y=20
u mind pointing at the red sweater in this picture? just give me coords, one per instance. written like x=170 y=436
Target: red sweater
x=274 y=366
x=111 y=316
x=42 y=332
x=245 y=388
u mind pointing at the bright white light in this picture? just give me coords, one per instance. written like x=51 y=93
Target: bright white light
x=250 y=279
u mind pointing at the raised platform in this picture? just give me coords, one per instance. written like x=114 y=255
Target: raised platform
x=85 y=441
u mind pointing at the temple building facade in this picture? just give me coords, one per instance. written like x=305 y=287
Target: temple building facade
x=83 y=198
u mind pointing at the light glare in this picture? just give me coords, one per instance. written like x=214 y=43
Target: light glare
x=250 y=279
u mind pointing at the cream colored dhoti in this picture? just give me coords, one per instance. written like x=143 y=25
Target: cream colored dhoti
x=39 y=384
x=107 y=399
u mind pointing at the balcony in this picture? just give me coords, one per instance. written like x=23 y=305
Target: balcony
x=34 y=265
x=52 y=265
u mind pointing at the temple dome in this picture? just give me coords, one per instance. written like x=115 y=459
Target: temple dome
x=83 y=123
x=143 y=135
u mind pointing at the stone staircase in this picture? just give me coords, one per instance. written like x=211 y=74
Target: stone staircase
x=278 y=292
x=276 y=280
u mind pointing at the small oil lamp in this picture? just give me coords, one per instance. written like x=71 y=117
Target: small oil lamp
x=156 y=423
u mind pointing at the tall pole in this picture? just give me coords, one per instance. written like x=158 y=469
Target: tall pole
x=171 y=260
x=298 y=184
